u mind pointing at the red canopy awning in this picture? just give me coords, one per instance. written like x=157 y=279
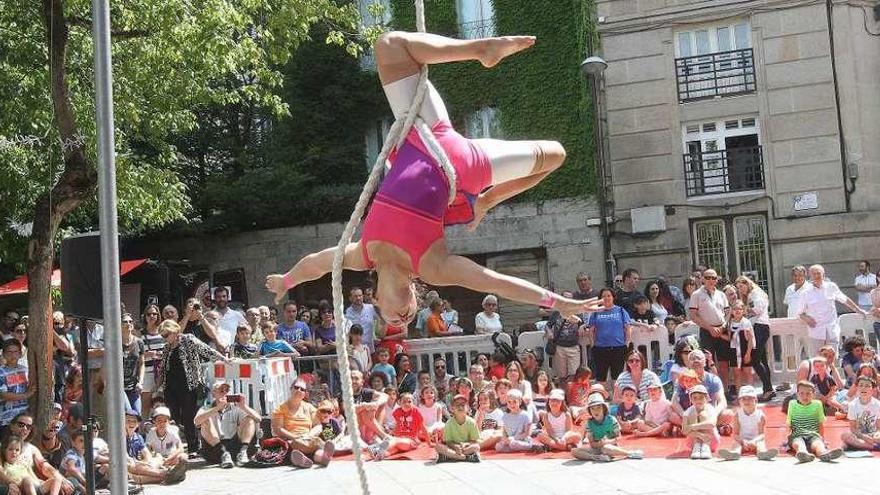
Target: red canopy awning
x=20 y=284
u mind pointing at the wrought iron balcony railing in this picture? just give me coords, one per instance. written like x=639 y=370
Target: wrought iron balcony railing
x=715 y=75
x=724 y=171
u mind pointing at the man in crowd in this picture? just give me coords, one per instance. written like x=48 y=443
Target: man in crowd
x=252 y=315
x=618 y=282
x=625 y=297
x=10 y=319
x=226 y=427
x=709 y=307
x=585 y=287
x=441 y=377
x=794 y=292
x=199 y=323
x=14 y=388
x=865 y=282
x=529 y=361
x=368 y=404
x=229 y=320
x=64 y=353
x=295 y=332
x=363 y=314
x=169 y=312
x=818 y=310
x=477 y=375
x=22 y=426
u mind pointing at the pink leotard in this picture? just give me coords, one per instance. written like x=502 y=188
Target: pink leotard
x=410 y=209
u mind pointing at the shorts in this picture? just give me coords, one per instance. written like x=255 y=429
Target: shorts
x=150 y=385
x=213 y=454
x=719 y=347
x=808 y=439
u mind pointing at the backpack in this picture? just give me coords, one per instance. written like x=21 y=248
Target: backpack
x=503 y=347
x=272 y=452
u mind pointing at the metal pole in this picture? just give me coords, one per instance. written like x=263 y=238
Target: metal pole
x=88 y=424
x=109 y=247
x=601 y=176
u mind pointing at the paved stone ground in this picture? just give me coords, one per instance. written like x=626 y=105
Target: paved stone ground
x=545 y=476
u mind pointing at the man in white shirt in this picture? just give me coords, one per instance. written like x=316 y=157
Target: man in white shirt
x=708 y=309
x=230 y=319
x=819 y=312
x=362 y=314
x=795 y=291
x=865 y=282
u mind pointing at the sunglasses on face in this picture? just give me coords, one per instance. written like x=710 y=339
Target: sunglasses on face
x=152 y=314
x=24 y=425
x=127 y=322
x=440 y=367
x=710 y=277
x=301 y=389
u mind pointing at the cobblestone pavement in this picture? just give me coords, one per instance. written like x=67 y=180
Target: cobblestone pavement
x=542 y=476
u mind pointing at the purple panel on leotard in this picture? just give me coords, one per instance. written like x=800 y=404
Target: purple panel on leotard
x=415 y=182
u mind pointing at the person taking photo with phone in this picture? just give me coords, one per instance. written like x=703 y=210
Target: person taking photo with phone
x=226 y=427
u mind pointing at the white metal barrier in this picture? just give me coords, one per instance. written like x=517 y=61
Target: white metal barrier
x=264 y=383
x=459 y=351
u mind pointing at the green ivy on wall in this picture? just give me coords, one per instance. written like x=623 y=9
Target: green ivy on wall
x=538 y=94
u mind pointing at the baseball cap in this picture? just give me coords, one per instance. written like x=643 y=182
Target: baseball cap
x=655 y=383
x=463 y=398
x=161 y=411
x=557 y=394
x=698 y=389
x=629 y=386
x=747 y=391
x=131 y=412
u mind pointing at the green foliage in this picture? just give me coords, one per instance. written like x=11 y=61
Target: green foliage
x=539 y=94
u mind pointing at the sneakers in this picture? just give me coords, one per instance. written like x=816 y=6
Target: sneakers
x=329 y=448
x=226 y=460
x=475 y=457
x=442 y=458
x=300 y=460
x=380 y=449
x=635 y=454
x=697 y=451
x=768 y=455
x=539 y=448
x=831 y=455
x=729 y=455
x=242 y=458
x=805 y=456
x=707 y=451
x=177 y=473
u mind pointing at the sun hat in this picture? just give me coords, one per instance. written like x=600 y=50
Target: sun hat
x=557 y=394
x=698 y=389
x=747 y=391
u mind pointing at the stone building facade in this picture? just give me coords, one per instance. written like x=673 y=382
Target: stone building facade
x=743 y=135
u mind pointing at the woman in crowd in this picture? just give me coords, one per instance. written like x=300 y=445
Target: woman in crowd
x=488 y=321
x=635 y=374
x=153 y=345
x=612 y=333
x=435 y=324
x=757 y=310
x=652 y=291
x=151 y=320
x=514 y=373
x=132 y=363
x=181 y=380
x=325 y=331
x=688 y=286
x=450 y=315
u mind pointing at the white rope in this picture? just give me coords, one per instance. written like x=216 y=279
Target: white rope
x=396 y=135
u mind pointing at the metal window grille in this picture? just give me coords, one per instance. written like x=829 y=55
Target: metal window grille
x=710 y=243
x=723 y=171
x=715 y=75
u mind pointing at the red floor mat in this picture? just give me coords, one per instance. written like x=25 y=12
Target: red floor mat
x=673 y=448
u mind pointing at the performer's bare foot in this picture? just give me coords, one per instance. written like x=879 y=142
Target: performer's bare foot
x=497 y=49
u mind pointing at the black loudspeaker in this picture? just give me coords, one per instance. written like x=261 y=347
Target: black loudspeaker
x=81 y=276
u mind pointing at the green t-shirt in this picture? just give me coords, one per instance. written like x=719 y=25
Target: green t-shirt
x=461 y=433
x=805 y=419
x=608 y=428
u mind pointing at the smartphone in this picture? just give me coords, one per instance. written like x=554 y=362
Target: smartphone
x=234 y=398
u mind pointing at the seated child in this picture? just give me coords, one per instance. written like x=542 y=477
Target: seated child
x=629 y=415
x=164 y=440
x=579 y=389
x=557 y=431
x=143 y=468
x=681 y=401
x=21 y=474
x=329 y=430
x=460 y=435
x=243 y=348
x=658 y=413
x=698 y=424
x=496 y=369
x=826 y=386
x=805 y=418
x=517 y=425
x=748 y=428
x=864 y=417
x=432 y=413
x=602 y=435
x=390 y=406
x=409 y=426
x=488 y=418
x=73 y=466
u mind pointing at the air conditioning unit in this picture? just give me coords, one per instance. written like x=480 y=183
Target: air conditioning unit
x=648 y=219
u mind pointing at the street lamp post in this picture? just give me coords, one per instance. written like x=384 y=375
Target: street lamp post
x=593 y=68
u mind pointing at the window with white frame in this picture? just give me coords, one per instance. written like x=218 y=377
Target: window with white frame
x=484 y=123
x=734 y=246
x=713 y=61
x=722 y=156
x=373 y=13
x=476 y=18
x=374 y=138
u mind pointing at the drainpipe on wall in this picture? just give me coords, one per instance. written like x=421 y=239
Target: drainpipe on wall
x=829 y=11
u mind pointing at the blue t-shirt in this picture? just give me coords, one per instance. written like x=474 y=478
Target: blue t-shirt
x=135 y=444
x=387 y=370
x=13 y=380
x=293 y=333
x=610 y=327
x=78 y=464
x=278 y=346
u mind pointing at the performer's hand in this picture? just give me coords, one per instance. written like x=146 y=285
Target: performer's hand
x=275 y=285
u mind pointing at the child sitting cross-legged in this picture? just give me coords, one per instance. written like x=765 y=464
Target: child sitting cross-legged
x=516 y=425
x=558 y=428
x=409 y=426
x=748 y=428
x=461 y=436
x=698 y=424
x=805 y=418
x=629 y=415
x=658 y=413
x=863 y=414
x=602 y=435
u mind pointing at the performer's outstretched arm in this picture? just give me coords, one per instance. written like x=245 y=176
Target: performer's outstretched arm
x=313 y=267
x=458 y=270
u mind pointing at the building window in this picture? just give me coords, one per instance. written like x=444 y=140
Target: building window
x=373 y=13
x=374 y=138
x=484 y=123
x=722 y=157
x=734 y=246
x=476 y=18
x=714 y=61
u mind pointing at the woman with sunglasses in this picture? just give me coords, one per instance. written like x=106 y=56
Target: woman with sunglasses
x=154 y=343
x=325 y=331
x=22 y=426
x=151 y=320
x=635 y=374
x=132 y=363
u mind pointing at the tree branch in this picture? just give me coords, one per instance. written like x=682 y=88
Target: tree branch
x=120 y=34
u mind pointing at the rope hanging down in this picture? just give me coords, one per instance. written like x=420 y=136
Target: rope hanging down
x=395 y=138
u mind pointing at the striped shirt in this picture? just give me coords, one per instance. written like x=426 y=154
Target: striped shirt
x=648 y=377
x=805 y=419
x=153 y=343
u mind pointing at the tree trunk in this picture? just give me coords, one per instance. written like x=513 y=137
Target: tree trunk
x=76 y=183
